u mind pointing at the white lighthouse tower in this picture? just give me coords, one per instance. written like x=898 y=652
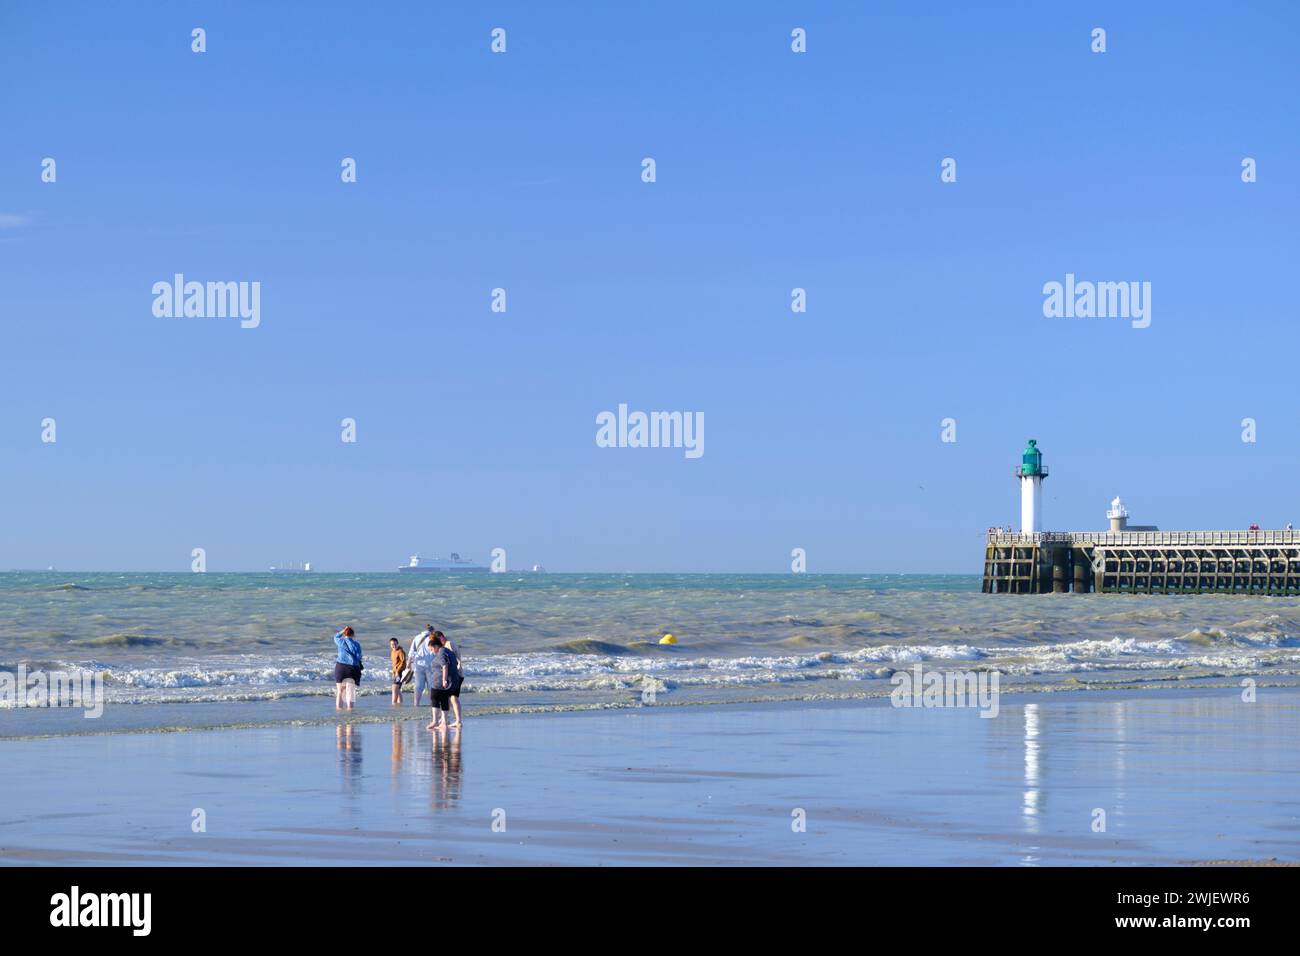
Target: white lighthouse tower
x=1117 y=514
x=1031 y=473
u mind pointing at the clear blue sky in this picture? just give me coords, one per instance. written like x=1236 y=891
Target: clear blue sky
x=523 y=170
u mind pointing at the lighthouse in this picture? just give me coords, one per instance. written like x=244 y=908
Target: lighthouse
x=1031 y=473
x=1117 y=514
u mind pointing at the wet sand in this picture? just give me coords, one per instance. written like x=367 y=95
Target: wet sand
x=1183 y=777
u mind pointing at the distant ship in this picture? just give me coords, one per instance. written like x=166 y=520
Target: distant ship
x=292 y=567
x=454 y=563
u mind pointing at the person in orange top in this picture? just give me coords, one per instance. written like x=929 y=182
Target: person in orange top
x=398 y=658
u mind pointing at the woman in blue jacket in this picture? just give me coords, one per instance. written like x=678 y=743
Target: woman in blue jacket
x=347 y=667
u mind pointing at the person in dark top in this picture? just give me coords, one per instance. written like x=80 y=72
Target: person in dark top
x=455 y=677
x=447 y=679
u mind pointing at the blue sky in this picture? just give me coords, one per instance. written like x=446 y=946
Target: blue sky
x=774 y=170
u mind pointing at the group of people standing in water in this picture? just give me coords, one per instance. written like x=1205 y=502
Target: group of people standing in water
x=432 y=663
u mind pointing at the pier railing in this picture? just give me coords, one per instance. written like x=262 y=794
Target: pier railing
x=1144 y=538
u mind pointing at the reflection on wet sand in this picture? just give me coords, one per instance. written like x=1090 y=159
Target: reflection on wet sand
x=347 y=741
x=1120 y=748
x=1033 y=772
x=396 y=765
x=446 y=768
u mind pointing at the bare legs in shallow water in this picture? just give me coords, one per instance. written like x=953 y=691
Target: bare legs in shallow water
x=438 y=722
x=345 y=694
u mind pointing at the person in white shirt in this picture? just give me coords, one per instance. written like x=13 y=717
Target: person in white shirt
x=420 y=660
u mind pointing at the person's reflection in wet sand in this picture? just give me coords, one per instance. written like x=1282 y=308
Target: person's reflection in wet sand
x=348 y=743
x=397 y=751
x=446 y=767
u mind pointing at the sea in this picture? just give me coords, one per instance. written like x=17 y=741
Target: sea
x=181 y=651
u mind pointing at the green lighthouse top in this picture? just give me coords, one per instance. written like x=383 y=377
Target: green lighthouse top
x=1031 y=460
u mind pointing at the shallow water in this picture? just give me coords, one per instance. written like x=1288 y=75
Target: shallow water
x=211 y=649
x=1180 y=778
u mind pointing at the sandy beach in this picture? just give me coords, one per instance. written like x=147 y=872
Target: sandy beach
x=1183 y=777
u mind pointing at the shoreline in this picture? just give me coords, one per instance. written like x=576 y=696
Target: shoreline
x=315 y=712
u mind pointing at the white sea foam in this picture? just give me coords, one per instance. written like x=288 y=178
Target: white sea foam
x=255 y=677
x=207 y=676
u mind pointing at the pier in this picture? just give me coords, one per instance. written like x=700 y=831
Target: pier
x=1143 y=562
x=1132 y=559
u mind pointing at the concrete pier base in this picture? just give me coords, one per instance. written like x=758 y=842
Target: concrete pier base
x=1145 y=562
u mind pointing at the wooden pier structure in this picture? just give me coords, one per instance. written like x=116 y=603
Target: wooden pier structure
x=1143 y=562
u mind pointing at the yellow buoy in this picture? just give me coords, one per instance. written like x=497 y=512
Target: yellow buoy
x=667 y=639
